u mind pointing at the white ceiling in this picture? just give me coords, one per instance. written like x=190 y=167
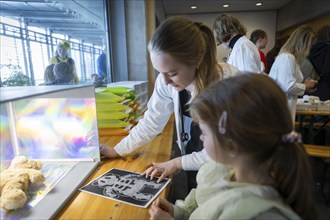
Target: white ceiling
x=176 y=7
x=84 y=19
x=80 y=19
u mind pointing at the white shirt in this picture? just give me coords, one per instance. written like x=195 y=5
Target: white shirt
x=286 y=72
x=163 y=102
x=245 y=56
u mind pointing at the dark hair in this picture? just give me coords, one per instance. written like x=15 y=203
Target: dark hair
x=323 y=34
x=63 y=73
x=272 y=54
x=257 y=34
x=191 y=43
x=256 y=122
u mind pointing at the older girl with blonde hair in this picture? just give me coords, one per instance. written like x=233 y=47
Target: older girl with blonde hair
x=184 y=53
x=286 y=70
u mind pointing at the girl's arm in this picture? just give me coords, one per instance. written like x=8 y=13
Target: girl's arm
x=183 y=209
x=288 y=73
x=164 y=169
x=195 y=160
x=160 y=108
x=191 y=161
x=162 y=209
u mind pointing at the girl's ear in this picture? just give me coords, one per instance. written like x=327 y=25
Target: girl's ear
x=232 y=148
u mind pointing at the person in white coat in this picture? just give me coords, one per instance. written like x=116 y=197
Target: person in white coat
x=260 y=169
x=230 y=34
x=286 y=70
x=184 y=53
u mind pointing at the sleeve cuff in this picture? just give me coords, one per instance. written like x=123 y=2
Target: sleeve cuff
x=179 y=213
x=195 y=160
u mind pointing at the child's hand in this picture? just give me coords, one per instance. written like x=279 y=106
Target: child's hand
x=164 y=169
x=161 y=209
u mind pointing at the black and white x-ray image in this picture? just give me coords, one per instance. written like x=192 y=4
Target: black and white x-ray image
x=127 y=187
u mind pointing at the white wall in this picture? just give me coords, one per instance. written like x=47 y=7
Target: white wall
x=136 y=29
x=265 y=20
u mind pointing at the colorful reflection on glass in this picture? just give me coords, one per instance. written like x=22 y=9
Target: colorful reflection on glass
x=6 y=147
x=56 y=128
x=58 y=131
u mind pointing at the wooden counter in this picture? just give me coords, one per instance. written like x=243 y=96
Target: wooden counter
x=83 y=205
x=312 y=112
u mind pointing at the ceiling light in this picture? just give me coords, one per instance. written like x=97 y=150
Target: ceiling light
x=193 y=7
x=225 y=5
x=259 y=4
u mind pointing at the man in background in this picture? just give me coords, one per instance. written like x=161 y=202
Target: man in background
x=102 y=66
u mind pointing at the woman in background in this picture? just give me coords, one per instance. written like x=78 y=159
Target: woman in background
x=61 y=55
x=230 y=34
x=286 y=71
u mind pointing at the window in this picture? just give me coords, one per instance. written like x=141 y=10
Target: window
x=30 y=31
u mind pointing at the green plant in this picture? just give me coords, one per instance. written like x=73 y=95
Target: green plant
x=16 y=76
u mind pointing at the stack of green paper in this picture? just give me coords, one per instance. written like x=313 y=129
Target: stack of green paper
x=116 y=110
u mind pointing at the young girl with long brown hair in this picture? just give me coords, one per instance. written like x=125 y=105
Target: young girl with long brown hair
x=260 y=169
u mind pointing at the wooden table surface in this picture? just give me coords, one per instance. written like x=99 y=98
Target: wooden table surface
x=83 y=205
x=312 y=112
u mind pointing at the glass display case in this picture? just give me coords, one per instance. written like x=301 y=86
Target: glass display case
x=54 y=124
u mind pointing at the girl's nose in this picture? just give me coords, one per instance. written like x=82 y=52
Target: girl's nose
x=167 y=79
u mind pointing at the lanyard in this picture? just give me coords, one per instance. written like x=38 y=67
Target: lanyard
x=184 y=97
